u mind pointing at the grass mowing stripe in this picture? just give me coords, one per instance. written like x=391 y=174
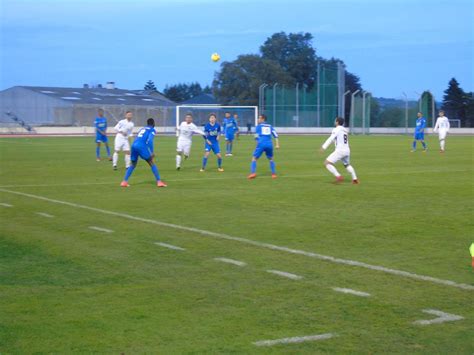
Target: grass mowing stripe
x=401 y=273
x=294 y=340
x=243 y=177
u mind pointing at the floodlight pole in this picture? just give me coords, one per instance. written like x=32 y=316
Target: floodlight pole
x=353 y=110
x=274 y=103
x=406 y=112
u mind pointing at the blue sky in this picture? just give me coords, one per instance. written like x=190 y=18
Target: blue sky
x=392 y=45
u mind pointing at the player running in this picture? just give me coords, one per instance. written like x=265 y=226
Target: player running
x=124 y=131
x=186 y=131
x=342 y=152
x=143 y=147
x=100 y=124
x=212 y=129
x=442 y=127
x=263 y=135
x=229 y=126
x=419 y=132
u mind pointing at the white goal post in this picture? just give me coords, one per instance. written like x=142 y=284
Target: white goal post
x=454 y=123
x=214 y=108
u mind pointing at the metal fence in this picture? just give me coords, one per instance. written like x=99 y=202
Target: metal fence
x=300 y=106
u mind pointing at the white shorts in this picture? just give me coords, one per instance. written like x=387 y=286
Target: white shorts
x=442 y=134
x=335 y=156
x=121 y=143
x=184 y=146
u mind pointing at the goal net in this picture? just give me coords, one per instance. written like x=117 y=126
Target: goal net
x=454 y=123
x=246 y=115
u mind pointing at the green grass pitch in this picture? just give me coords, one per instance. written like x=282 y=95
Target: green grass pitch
x=67 y=288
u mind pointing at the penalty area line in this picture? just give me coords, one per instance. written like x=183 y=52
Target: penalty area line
x=222 y=236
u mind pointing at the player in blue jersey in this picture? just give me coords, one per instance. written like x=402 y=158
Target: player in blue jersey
x=100 y=125
x=143 y=147
x=229 y=127
x=212 y=129
x=419 y=132
x=263 y=135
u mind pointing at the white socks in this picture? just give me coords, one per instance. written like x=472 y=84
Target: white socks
x=441 y=144
x=115 y=159
x=332 y=169
x=178 y=160
x=351 y=171
x=127 y=161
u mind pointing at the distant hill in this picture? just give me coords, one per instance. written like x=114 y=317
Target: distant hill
x=388 y=103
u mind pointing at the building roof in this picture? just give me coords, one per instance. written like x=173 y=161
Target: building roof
x=203 y=99
x=103 y=96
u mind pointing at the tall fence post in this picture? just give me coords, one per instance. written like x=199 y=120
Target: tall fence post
x=353 y=111
x=297 y=104
x=318 y=98
x=274 y=103
x=406 y=112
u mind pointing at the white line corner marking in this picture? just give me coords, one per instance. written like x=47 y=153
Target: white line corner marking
x=5 y=204
x=351 y=292
x=285 y=274
x=47 y=215
x=169 y=246
x=99 y=229
x=231 y=261
x=295 y=339
x=442 y=317
x=255 y=243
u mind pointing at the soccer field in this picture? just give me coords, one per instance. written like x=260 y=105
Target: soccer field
x=215 y=263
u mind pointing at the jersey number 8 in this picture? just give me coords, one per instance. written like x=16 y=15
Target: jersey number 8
x=266 y=131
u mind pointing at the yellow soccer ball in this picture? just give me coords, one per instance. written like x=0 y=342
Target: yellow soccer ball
x=215 y=57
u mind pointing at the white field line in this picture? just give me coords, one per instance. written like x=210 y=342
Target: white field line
x=295 y=339
x=231 y=261
x=442 y=317
x=203 y=232
x=241 y=178
x=285 y=274
x=169 y=246
x=352 y=292
x=47 y=215
x=5 y=204
x=99 y=229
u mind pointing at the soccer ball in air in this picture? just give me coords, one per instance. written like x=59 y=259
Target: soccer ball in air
x=215 y=57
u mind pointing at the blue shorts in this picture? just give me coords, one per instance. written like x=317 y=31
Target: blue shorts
x=101 y=138
x=214 y=147
x=268 y=149
x=229 y=137
x=420 y=136
x=142 y=152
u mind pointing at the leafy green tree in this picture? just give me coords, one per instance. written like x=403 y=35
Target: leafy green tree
x=454 y=101
x=182 y=92
x=238 y=81
x=150 y=86
x=295 y=54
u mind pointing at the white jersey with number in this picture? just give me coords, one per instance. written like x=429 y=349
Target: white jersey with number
x=124 y=129
x=442 y=123
x=340 y=136
x=185 y=135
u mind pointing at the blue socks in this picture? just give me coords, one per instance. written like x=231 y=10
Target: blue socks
x=129 y=172
x=155 y=171
x=414 y=145
x=253 y=167
x=272 y=166
x=424 y=145
x=219 y=162
x=97 y=152
x=108 y=150
x=204 y=162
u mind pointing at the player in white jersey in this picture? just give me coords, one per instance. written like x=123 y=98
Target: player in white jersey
x=186 y=130
x=442 y=127
x=124 y=131
x=340 y=137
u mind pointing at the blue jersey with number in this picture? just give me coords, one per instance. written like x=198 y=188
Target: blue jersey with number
x=100 y=123
x=420 y=124
x=212 y=131
x=264 y=133
x=144 y=138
